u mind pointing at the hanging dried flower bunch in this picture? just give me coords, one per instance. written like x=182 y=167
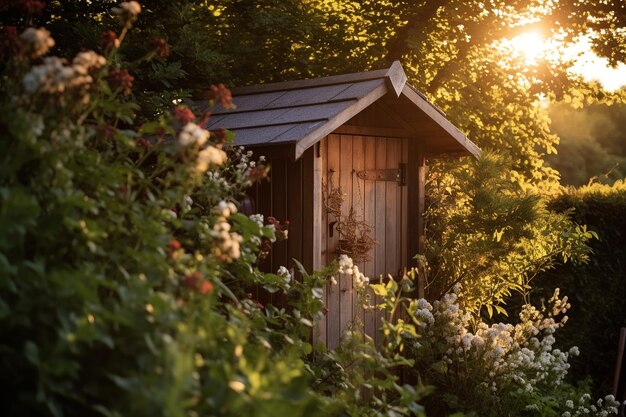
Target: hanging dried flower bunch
x=355 y=235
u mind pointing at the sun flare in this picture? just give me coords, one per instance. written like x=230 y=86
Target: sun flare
x=531 y=46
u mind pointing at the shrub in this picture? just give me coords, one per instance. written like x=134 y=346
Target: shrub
x=493 y=233
x=125 y=266
x=598 y=287
x=481 y=369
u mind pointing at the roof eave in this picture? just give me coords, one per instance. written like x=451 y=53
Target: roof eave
x=435 y=114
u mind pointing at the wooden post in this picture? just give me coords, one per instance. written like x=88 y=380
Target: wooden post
x=421 y=208
x=312 y=222
x=619 y=366
x=416 y=179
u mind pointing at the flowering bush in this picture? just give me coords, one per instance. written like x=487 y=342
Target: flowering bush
x=492 y=370
x=125 y=264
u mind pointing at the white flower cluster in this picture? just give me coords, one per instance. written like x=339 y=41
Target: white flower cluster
x=218 y=180
x=37 y=42
x=245 y=166
x=244 y=160
x=127 y=8
x=54 y=76
x=284 y=272
x=347 y=266
x=208 y=156
x=228 y=247
x=601 y=408
x=424 y=312
x=258 y=219
x=194 y=135
x=522 y=355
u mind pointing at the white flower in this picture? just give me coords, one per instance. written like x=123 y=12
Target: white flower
x=345 y=265
x=258 y=219
x=53 y=77
x=228 y=247
x=574 y=351
x=333 y=280
x=187 y=203
x=569 y=404
x=210 y=156
x=284 y=272
x=85 y=61
x=38 y=41
x=225 y=209
x=193 y=134
x=129 y=8
x=424 y=305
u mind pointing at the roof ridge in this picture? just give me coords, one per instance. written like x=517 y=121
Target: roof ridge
x=395 y=73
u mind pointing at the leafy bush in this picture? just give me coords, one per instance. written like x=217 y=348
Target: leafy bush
x=485 y=370
x=125 y=266
x=492 y=232
x=598 y=287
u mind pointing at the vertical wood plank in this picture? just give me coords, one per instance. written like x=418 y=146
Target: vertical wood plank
x=421 y=207
x=358 y=202
x=295 y=208
x=391 y=202
x=403 y=210
x=369 y=197
x=346 y=288
x=333 y=329
x=280 y=198
x=413 y=215
x=369 y=200
x=319 y=231
x=308 y=186
x=380 y=187
x=264 y=207
x=381 y=233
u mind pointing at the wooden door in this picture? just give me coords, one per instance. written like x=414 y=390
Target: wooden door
x=380 y=203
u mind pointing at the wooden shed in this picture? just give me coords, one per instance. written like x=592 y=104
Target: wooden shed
x=366 y=133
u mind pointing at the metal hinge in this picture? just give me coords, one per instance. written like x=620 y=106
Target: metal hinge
x=398 y=175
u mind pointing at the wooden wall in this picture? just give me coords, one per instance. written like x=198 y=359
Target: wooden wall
x=382 y=204
x=294 y=193
x=289 y=194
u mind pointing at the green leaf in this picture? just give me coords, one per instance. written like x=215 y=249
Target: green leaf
x=441 y=367
x=379 y=289
x=32 y=352
x=501 y=310
x=307 y=348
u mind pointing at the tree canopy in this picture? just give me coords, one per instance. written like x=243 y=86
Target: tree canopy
x=455 y=52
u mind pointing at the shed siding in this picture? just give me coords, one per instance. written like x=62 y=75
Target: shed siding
x=380 y=203
x=294 y=194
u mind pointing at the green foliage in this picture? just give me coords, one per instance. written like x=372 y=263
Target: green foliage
x=592 y=143
x=492 y=235
x=125 y=268
x=365 y=378
x=478 y=369
x=598 y=287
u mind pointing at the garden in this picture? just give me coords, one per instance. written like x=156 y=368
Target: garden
x=132 y=272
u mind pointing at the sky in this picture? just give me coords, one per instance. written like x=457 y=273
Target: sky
x=592 y=67
x=532 y=47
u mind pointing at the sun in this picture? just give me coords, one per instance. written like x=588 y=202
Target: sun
x=530 y=46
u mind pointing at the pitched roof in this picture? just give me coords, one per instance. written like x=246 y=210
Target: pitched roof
x=303 y=112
